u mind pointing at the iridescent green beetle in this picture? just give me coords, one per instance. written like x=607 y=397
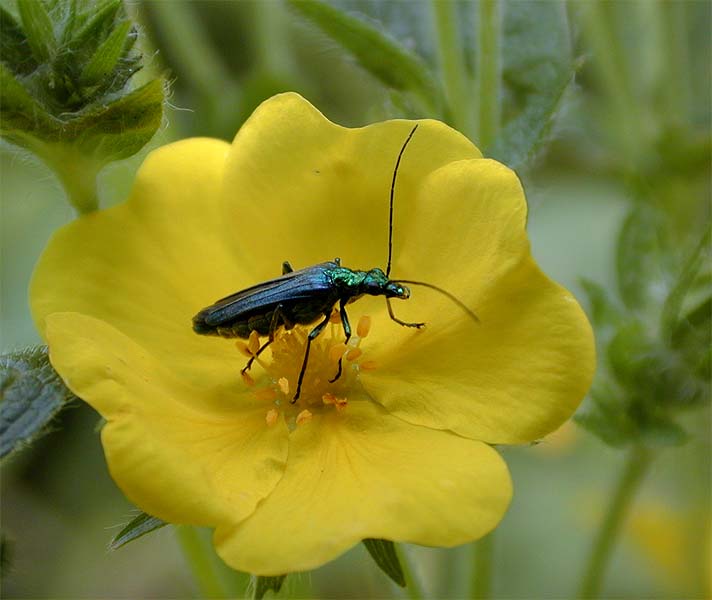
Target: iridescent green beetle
x=302 y=297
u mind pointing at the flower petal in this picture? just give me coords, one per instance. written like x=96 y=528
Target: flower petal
x=312 y=190
x=185 y=454
x=513 y=378
x=147 y=266
x=362 y=473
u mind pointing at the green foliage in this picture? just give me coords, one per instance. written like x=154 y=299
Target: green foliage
x=67 y=102
x=652 y=372
x=31 y=395
x=384 y=554
x=374 y=50
x=538 y=70
x=136 y=528
x=265 y=584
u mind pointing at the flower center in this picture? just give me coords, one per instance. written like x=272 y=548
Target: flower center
x=318 y=392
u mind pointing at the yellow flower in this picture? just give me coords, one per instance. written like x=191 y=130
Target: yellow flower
x=398 y=448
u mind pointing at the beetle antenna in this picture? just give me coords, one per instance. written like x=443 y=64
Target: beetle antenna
x=393 y=190
x=456 y=300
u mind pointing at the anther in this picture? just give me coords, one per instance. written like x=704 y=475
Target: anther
x=364 y=326
x=283 y=384
x=272 y=416
x=246 y=378
x=337 y=351
x=354 y=353
x=367 y=365
x=253 y=343
x=303 y=417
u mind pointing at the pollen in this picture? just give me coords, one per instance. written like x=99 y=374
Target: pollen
x=304 y=416
x=353 y=354
x=364 y=326
x=283 y=384
x=271 y=417
x=253 y=344
x=331 y=376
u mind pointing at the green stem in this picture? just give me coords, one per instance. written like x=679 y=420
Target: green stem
x=489 y=25
x=77 y=174
x=452 y=66
x=481 y=586
x=200 y=562
x=412 y=584
x=636 y=466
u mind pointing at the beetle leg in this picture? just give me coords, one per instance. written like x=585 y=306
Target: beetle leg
x=397 y=320
x=274 y=324
x=312 y=335
x=286 y=267
x=347 y=333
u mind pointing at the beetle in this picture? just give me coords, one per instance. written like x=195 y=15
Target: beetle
x=304 y=296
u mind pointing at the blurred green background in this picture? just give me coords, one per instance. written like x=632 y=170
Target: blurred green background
x=632 y=127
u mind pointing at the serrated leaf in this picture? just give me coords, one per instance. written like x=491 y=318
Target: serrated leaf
x=519 y=141
x=106 y=55
x=265 y=584
x=31 y=395
x=374 y=50
x=538 y=68
x=38 y=28
x=138 y=527
x=384 y=555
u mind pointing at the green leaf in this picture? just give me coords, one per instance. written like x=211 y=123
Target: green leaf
x=107 y=55
x=97 y=25
x=384 y=555
x=14 y=47
x=374 y=50
x=138 y=527
x=640 y=260
x=519 y=141
x=604 y=311
x=606 y=417
x=31 y=395
x=698 y=260
x=661 y=433
x=6 y=554
x=265 y=584
x=538 y=68
x=38 y=28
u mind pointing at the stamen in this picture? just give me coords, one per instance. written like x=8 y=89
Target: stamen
x=336 y=352
x=339 y=403
x=303 y=417
x=283 y=384
x=368 y=365
x=364 y=326
x=272 y=416
x=253 y=343
x=354 y=353
x=266 y=394
x=335 y=317
x=247 y=379
x=242 y=347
